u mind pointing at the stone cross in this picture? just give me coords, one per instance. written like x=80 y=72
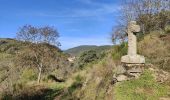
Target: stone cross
x=132 y=57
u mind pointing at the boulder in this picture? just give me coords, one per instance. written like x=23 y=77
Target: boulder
x=121 y=78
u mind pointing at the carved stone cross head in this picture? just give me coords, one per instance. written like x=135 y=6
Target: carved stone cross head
x=133 y=27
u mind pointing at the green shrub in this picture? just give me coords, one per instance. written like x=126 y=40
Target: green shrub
x=140 y=36
x=28 y=75
x=86 y=58
x=102 y=55
x=167 y=29
x=77 y=84
x=119 y=51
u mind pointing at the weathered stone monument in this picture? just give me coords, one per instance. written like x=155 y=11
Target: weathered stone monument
x=132 y=66
x=132 y=57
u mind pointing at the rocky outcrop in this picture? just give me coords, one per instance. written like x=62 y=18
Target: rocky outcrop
x=124 y=72
x=160 y=75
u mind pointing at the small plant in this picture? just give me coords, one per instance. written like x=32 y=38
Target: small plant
x=167 y=29
x=28 y=75
x=119 y=51
x=77 y=84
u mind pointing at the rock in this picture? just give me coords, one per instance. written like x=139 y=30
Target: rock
x=135 y=75
x=121 y=78
x=135 y=70
x=151 y=69
x=120 y=69
x=114 y=80
x=98 y=80
x=160 y=76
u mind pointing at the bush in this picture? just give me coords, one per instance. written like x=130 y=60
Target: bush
x=167 y=29
x=77 y=84
x=86 y=58
x=28 y=75
x=119 y=51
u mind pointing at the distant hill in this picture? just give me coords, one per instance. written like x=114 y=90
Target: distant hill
x=77 y=50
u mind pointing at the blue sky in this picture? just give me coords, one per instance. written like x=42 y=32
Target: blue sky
x=79 y=22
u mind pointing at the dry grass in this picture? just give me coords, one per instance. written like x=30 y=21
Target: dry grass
x=156 y=49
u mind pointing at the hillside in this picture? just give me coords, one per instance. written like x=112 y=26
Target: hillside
x=13 y=73
x=95 y=80
x=77 y=50
x=35 y=66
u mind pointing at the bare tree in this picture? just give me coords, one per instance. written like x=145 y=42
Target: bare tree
x=119 y=35
x=28 y=33
x=49 y=35
x=149 y=14
x=39 y=53
x=39 y=56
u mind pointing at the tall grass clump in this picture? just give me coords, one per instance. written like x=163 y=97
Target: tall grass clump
x=119 y=51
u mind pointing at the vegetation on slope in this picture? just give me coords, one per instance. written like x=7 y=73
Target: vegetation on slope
x=96 y=83
x=156 y=48
x=93 y=78
x=80 y=49
x=14 y=77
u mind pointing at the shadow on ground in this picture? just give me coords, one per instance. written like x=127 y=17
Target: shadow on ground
x=33 y=94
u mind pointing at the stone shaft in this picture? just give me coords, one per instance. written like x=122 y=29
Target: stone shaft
x=132 y=46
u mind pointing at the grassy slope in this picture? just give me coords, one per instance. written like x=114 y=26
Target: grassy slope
x=96 y=79
x=144 y=88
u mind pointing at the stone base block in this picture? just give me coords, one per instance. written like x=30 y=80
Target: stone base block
x=136 y=59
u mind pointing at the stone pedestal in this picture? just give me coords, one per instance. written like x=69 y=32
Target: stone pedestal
x=133 y=59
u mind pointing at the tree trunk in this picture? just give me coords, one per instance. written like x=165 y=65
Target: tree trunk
x=39 y=74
